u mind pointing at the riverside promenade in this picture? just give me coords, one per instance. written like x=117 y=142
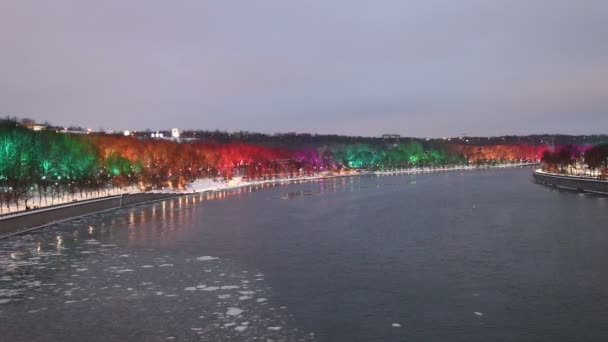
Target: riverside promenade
x=576 y=183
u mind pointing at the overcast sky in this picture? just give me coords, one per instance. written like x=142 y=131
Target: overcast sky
x=426 y=68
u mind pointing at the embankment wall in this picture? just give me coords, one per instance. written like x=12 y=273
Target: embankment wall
x=572 y=183
x=30 y=220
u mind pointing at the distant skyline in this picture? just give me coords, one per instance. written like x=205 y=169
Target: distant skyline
x=422 y=68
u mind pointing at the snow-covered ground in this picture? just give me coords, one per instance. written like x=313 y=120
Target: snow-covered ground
x=449 y=168
x=50 y=201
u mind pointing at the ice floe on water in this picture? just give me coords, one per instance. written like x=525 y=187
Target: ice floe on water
x=206 y=258
x=229 y=287
x=124 y=270
x=234 y=312
x=66 y=271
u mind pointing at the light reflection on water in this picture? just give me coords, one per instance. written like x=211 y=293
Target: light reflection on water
x=100 y=258
x=437 y=249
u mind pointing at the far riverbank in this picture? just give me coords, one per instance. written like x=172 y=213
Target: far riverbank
x=576 y=183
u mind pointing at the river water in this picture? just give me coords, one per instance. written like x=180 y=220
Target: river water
x=456 y=256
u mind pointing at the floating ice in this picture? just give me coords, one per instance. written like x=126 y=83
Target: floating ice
x=4 y=300
x=229 y=287
x=146 y=266
x=261 y=300
x=396 y=325
x=210 y=288
x=478 y=313
x=240 y=328
x=190 y=288
x=246 y=292
x=274 y=328
x=234 y=312
x=205 y=258
x=166 y=265
x=82 y=269
x=124 y=270
x=224 y=296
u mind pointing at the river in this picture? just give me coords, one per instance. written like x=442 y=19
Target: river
x=482 y=255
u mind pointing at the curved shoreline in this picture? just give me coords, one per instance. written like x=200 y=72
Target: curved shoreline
x=573 y=183
x=26 y=221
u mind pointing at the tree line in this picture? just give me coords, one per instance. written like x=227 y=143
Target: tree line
x=37 y=167
x=564 y=158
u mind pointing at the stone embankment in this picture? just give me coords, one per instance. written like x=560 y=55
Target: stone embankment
x=571 y=182
x=30 y=220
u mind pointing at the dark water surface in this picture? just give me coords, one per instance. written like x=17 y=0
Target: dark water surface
x=458 y=256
